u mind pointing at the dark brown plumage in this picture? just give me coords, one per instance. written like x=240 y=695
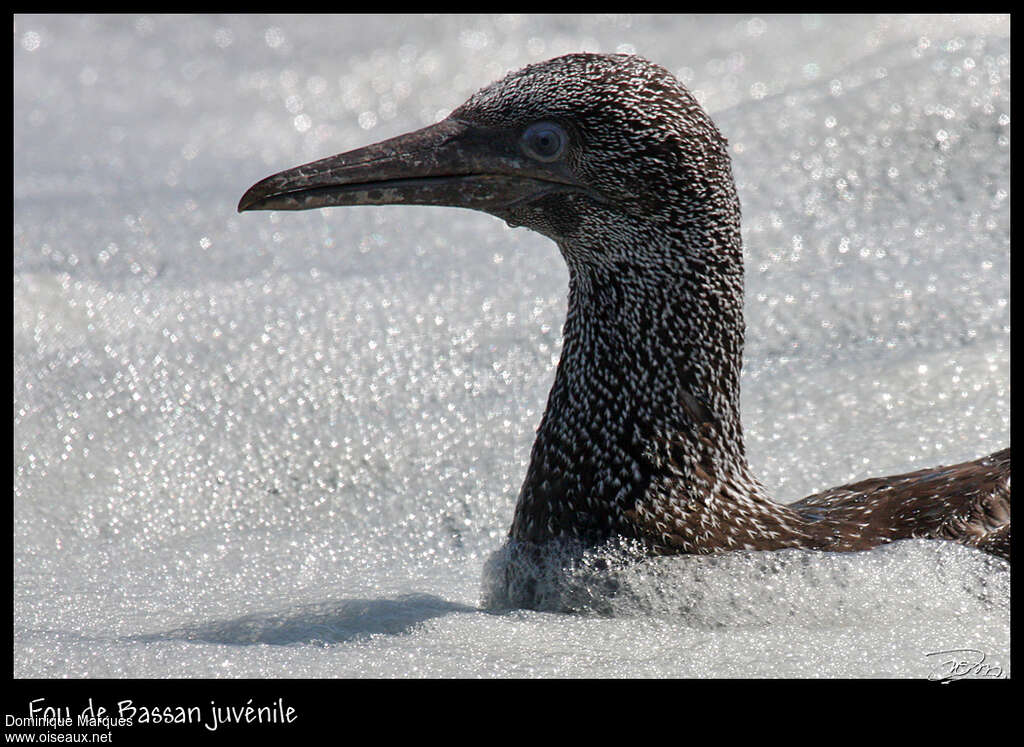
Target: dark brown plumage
x=967 y=503
x=612 y=158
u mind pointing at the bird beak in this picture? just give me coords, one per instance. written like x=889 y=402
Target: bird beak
x=450 y=163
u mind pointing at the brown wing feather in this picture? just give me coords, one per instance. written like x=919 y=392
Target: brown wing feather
x=967 y=503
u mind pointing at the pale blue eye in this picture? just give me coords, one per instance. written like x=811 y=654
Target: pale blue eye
x=545 y=141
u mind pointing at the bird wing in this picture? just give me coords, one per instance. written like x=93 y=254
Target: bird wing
x=967 y=503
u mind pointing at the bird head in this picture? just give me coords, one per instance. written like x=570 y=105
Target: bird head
x=601 y=153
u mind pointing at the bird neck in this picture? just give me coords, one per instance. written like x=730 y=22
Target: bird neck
x=647 y=385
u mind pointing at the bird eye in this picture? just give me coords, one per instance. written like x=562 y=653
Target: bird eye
x=545 y=141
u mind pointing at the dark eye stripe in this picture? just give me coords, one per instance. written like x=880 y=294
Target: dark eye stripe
x=545 y=141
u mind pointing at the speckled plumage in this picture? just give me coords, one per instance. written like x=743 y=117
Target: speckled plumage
x=641 y=438
x=642 y=435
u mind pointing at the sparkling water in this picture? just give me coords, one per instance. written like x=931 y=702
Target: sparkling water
x=286 y=444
